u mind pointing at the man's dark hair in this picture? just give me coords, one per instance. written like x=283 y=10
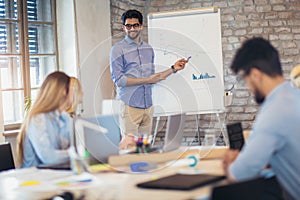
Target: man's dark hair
x=132 y=14
x=257 y=53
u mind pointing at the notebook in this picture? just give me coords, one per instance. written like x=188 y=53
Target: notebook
x=235 y=135
x=181 y=181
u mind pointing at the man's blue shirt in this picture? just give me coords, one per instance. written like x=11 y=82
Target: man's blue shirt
x=275 y=140
x=129 y=59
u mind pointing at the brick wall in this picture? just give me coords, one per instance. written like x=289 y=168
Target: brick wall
x=275 y=20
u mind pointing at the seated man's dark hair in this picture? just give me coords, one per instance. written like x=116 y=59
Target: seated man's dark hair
x=257 y=53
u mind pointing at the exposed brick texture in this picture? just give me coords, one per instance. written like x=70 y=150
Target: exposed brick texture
x=276 y=20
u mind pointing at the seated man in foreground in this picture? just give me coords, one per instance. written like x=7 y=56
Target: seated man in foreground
x=275 y=136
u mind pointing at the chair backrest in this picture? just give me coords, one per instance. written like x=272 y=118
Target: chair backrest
x=246 y=190
x=6 y=157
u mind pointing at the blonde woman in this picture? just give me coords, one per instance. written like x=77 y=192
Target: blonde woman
x=44 y=136
x=77 y=96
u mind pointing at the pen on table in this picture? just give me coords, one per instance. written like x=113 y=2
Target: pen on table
x=74 y=181
x=85 y=180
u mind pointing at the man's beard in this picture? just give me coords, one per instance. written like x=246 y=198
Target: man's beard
x=259 y=98
x=136 y=35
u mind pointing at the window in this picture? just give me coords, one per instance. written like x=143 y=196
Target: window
x=27 y=52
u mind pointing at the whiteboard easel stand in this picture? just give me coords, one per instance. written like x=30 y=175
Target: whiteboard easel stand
x=218 y=117
x=155 y=129
x=196 y=15
x=223 y=131
x=198 y=129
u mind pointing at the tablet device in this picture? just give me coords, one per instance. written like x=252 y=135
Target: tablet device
x=235 y=136
x=181 y=181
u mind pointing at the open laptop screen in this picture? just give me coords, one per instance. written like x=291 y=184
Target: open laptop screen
x=102 y=145
x=174 y=132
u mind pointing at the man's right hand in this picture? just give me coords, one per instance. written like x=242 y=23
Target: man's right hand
x=154 y=78
x=228 y=158
x=127 y=142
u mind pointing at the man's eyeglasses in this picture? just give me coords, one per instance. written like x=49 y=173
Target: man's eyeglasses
x=129 y=26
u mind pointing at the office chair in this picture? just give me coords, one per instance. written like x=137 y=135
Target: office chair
x=246 y=190
x=6 y=157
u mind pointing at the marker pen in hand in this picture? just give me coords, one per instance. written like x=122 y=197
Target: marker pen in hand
x=187 y=60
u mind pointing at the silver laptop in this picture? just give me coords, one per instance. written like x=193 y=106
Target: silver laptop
x=173 y=135
x=174 y=132
x=101 y=145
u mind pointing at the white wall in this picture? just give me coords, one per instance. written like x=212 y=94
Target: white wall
x=66 y=37
x=94 y=43
x=1 y=118
x=85 y=42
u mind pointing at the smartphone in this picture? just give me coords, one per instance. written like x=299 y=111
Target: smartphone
x=235 y=136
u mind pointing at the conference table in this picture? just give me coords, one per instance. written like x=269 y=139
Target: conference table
x=33 y=183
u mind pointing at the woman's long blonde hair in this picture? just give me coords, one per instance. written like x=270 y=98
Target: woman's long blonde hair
x=52 y=94
x=77 y=95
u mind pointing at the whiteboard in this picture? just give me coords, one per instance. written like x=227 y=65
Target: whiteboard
x=199 y=88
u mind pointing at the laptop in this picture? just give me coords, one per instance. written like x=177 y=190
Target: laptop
x=173 y=136
x=174 y=133
x=101 y=145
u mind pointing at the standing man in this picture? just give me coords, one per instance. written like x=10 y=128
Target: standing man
x=276 y=132
x=132 y=70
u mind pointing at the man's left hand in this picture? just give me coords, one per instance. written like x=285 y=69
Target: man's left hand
x=180 y=64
